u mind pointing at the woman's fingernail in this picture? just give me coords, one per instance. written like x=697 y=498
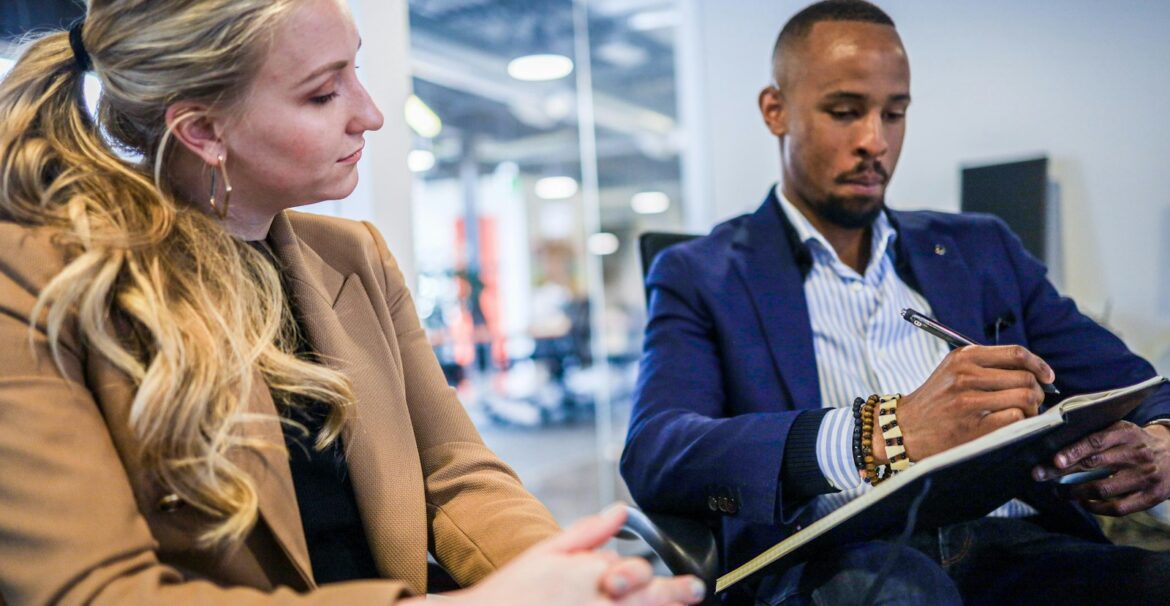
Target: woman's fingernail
x=620 y=584
x=698 y=589
x=613 y=509
x=1039 y=474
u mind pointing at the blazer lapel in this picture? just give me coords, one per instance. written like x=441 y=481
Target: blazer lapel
x=763 y=256
x=942 y=275
x=347 y=332
x=269 y=469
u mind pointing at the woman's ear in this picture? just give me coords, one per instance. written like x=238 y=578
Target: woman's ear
x=193 y=125
x=772 y=109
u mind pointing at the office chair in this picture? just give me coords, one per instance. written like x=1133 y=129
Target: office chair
x=650 y=244
x=685 y=545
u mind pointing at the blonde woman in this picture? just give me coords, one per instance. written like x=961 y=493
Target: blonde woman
x=205 y=398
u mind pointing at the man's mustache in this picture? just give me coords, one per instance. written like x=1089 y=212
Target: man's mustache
x=863 y=168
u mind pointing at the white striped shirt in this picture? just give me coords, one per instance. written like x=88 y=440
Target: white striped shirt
x=863 y=346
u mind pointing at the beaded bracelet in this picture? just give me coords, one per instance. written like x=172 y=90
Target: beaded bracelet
x=858 y=455
x=892 y=433
x=872 y=472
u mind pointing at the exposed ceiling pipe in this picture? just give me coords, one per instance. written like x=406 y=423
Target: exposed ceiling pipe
x=463 y=68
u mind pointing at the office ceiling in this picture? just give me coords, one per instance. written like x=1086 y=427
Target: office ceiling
x=460 y=51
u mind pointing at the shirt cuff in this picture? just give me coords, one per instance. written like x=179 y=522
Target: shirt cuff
x=835 y=449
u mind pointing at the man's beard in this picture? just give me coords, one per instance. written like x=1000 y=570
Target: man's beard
x=852 y=212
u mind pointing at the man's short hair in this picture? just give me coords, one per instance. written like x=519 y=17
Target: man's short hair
x=801 y=23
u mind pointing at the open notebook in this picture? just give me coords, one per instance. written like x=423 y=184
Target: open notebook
x=967 y=481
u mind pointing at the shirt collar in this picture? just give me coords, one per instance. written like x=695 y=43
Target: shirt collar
x=882 y=242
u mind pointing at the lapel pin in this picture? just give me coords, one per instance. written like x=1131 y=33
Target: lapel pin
x=940 y=250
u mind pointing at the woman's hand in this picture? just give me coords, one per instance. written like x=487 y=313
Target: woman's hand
x=567 y=570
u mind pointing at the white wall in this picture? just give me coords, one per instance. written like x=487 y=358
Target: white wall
x=384 y=185
x=1086 y=82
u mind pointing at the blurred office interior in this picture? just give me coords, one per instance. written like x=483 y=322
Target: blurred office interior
x=538 y=138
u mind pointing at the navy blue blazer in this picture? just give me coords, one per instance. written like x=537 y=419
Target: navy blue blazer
x=728 y=361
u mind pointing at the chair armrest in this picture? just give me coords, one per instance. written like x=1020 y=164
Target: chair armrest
x=686 y=545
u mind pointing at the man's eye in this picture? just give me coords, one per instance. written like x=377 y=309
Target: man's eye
x=323 y=99
x=895 y=116
x=843 y=114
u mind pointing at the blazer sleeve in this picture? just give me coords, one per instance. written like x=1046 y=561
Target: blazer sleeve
x=685 y=452
x=480 y=515
x=70 y=528
x=1085 y=356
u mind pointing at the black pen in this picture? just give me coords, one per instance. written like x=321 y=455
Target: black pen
x=949 y=335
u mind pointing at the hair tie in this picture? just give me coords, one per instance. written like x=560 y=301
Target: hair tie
x=80 y=56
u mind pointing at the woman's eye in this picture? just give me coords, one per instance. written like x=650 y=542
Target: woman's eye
x=323 y=99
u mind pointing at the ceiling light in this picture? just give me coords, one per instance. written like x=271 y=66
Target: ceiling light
x=556 y=188
x=534 y=68
x=422 y=119
x=603 y=243
x=650 y=202
x=652 y=20
x=559 y=105
x=420 y=160
x=622 y=54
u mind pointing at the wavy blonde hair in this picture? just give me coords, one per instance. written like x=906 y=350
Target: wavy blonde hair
x=206 y=310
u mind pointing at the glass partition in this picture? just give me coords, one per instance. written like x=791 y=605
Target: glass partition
x=546 y=139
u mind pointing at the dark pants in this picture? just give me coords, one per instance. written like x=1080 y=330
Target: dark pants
x=987 y=561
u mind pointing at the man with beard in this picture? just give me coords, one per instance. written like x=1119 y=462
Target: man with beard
x=767 y=337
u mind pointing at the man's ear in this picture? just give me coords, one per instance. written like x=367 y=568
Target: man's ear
x=193 y=125
x=773 y=109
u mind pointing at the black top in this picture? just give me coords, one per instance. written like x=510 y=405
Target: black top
x=338 y=549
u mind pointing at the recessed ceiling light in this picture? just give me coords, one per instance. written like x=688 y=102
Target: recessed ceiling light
x=421 y=118
x=420 y=160
x=622 y=54
x=602 y=243
x=535 y=68
x=556 y=188
x=652 y=20
x=650 y=202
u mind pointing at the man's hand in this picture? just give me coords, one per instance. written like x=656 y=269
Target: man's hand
x=973 y=391
x=1139 y=458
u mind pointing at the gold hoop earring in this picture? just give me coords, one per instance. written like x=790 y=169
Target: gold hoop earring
x=220 y=207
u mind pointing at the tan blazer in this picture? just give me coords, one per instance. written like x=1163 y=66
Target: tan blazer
x=81 y=522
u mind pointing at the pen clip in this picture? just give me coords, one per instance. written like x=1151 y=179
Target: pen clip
x=932 y=326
